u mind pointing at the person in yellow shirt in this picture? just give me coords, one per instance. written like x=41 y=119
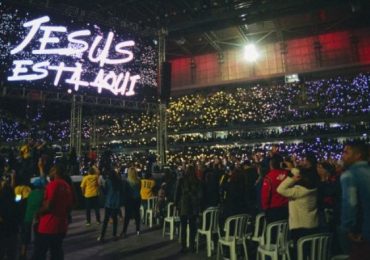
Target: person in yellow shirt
x=90 y=191
x=146 y=190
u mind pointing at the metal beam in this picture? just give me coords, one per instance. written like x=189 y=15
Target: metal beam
x=259 y=13
x=242 y=29
x=61 y=97
x=212 y=42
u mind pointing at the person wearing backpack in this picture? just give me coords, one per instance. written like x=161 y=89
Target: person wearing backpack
x=132 y=200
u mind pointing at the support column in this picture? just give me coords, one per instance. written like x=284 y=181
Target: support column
x=284 y=54
x=318 y=55
x=354 y=41
x=76 y=124
x=162 y=110
x=93 y=133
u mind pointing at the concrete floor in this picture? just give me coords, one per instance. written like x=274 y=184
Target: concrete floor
x=80 y=243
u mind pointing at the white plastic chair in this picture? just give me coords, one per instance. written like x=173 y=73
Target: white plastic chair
x=274 y=246
x=172 y=219
x=142 y=214
x=149 y=214
x=259 y=228
x=209 y=227
x=235 y=234
x=317 y=247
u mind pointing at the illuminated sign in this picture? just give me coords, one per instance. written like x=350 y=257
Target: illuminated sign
x=99 y=51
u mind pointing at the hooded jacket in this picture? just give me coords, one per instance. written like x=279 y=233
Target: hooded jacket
x=303 y=211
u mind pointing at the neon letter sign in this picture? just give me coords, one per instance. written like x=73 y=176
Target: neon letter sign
x=122 y=83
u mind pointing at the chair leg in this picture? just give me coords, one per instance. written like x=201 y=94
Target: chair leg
x=208 y=237
x=180 y=230
x=172 y=231
x=188 y=236
x=245 y=250
x=232 y=252
x=164 y=228
x=218 y=250
x=150 y=219
x=197 y=240
x=287 y=253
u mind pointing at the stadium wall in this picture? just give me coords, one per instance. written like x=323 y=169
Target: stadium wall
x=309 y=54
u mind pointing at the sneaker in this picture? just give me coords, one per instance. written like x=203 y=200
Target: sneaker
x=87 y=224
x=138 y=233
x=100 y=239
x=98 y=223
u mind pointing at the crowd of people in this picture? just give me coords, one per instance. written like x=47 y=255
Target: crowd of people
x=284 y=185
x=314 y=170
x=255 y=106
x=287 y=132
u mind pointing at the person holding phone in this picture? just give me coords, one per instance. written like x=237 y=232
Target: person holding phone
x=300 y=187
x=274 y=204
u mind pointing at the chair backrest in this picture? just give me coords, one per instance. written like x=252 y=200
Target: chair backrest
x=314 y=247
x=276 y=234
x=259 y=226
x=210 y=219
x=171 y=210
x=236 y=226
x=152 y=201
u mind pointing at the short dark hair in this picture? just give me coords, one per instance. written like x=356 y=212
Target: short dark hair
x=360 y=147
x=276 y=161
x=311 y=157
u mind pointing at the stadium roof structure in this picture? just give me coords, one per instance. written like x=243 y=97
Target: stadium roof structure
x=204 y=26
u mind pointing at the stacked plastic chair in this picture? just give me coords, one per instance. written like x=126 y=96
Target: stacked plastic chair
x=209 y=228
x=149 y=214
x=275 y=241
x=259 y=228
x=314 y=247
x=172 y=219
x=235 y=234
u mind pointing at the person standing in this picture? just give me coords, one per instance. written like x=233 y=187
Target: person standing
x=355 y=182
x=90 y=191
x=274 y=204
x=188 y=200
x=9 y=221
x=132 y=199
x=233 y=201
x=53 y=220
x=112 y=190
x=34 y=202
x=300 y=187
x=147 y=190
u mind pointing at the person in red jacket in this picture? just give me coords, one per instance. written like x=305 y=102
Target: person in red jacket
x=53 y=217
x=274 y=205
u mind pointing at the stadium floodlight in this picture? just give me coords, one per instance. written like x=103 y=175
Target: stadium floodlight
x=250 y=53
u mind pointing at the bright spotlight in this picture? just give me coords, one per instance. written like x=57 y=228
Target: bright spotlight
x=250 y=53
